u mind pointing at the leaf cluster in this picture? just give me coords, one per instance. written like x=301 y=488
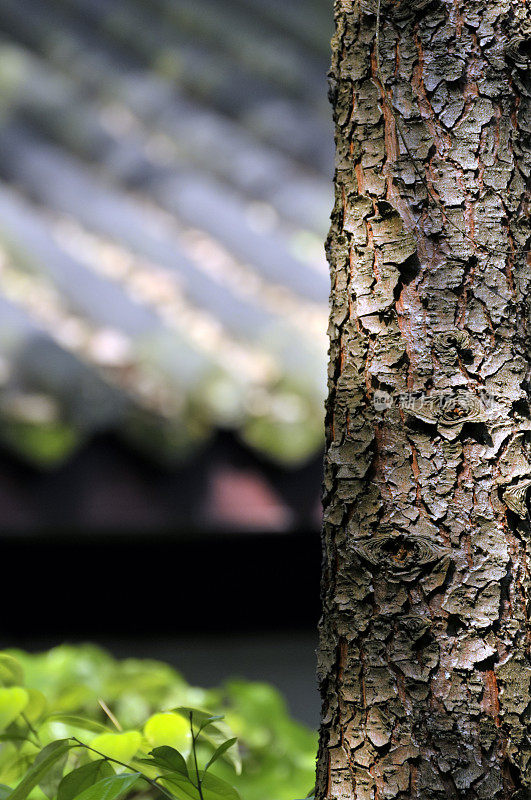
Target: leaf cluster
x=83 y=692
x=63 y=756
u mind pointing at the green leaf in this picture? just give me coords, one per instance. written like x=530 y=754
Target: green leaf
x=216 y=735
x=77 y=722
x=212 y=788
x=110 y=788
x=181 y=786
x=37 y=705
x=14 y=737
x=12 y=702
x=11 y=672
x=167 y=759
x=200 y=718
x=44 y=761
x=220 y=751
x=4 y=791
x=50 y=782
x=215 y=788
x=19 y=765
x=214 y=730
x=210 y=721
x=120 y=746
x=170 y=729
x=82 y=778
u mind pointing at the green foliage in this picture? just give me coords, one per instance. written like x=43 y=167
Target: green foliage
x=75 y=724
x=44 y=444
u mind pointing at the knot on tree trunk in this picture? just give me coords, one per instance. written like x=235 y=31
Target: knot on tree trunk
x=448 y=410
x=400 y=556
x=450 y=345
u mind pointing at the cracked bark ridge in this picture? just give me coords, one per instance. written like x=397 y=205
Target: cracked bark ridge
x=515 y=498
x=424 y=662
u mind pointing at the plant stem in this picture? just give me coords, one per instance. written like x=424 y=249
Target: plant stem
x=32 y=729
x=199 y=787
x=152 y=782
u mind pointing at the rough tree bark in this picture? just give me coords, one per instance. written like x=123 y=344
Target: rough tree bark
x=424 y=658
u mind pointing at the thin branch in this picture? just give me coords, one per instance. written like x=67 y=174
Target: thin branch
x=109 y=713
x=32 y=729
x=152 y=782
x=194 y=738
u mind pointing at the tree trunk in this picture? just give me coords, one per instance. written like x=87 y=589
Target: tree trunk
x=424 y=658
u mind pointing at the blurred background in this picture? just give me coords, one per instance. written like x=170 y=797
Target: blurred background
x=165 y=188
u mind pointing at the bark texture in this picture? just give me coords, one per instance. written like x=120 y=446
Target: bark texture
x=424 y=659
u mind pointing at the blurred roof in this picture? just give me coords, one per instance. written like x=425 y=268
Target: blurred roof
x=109 y=488
x=165 y=186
